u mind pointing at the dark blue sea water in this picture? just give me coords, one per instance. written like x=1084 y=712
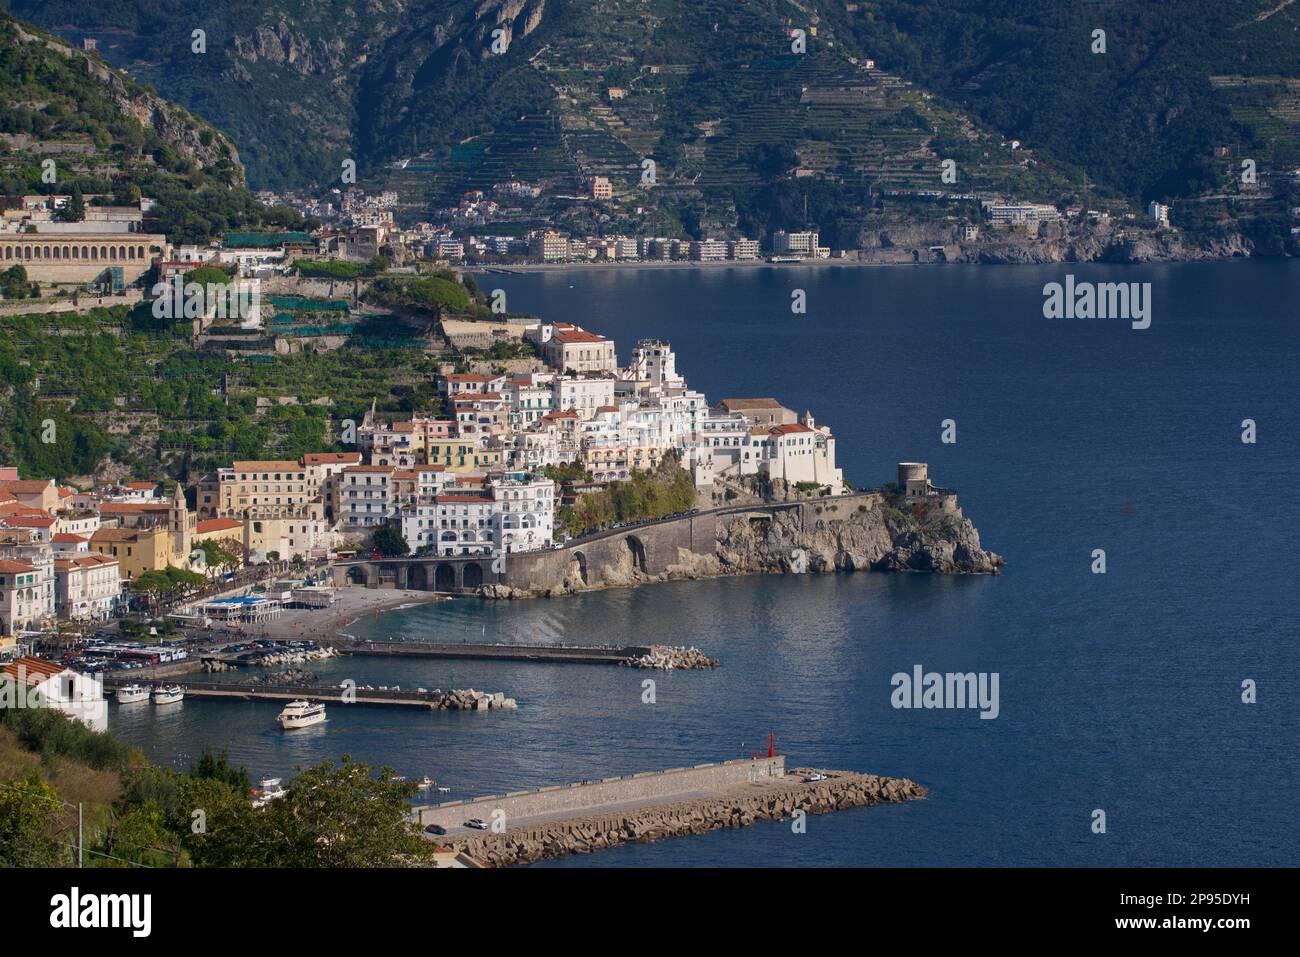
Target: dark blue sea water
x=1119 y=692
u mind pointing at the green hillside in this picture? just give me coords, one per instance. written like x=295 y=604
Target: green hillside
x=69 y=123
x=745 y=133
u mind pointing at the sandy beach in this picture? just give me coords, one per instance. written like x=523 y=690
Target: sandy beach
x=352 y=604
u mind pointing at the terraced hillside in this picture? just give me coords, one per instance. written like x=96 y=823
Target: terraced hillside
x=746 y=133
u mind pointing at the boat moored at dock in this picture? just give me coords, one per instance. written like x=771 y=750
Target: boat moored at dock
x=130 y=694
x=168 y=694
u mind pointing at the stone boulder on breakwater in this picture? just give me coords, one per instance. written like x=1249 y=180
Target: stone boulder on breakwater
x=580 y=835
x=471 y=700
x=670 y=657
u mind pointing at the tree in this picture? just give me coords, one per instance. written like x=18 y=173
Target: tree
x=217 y=767
x=221 y=555
x=344 y=816
x=75 y=211
x=29 y=810
x=166 y=584
x=13 y=283
x=389 y=541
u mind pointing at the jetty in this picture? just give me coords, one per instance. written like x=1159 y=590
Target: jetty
x=526 y=826
x=454 y=700
x=628 y=655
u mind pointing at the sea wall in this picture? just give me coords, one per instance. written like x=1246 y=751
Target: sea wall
x=579 y=835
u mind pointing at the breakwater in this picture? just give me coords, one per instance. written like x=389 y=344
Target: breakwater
x=579 y=818
x=660 y=657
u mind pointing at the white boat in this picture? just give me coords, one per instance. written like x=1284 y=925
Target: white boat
x=129 y=694
x=269 y=790
x=168 y=694
x=301 y=714
x=426 y=783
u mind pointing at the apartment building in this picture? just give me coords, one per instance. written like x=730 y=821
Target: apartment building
x=87 y=587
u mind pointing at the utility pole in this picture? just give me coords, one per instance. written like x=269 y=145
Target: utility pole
x=80 y=841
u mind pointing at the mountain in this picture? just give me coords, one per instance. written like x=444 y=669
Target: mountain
x=104 y=133
x=745 y=132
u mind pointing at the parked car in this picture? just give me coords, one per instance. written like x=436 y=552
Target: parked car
x=435 y=829
x=815 y=776
x=477 y=823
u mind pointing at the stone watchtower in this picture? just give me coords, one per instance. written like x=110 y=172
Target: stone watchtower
x=914 y=479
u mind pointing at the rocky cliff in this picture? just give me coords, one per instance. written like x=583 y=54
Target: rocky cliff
x=1050 y=244
x=874 y=532
x=190 y=136
x=884 y=538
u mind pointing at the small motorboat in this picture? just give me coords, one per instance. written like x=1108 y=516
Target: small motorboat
x=130 y=694
x=266 y=792
x=426 y=783
x=444 y=790
x=168 y=694
x=301 y=714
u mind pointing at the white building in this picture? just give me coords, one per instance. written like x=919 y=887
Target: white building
x=364 y=496
x=582 y=394
x=1021 y=214
x=802 y=452
x=35 y=682
x=530 y=397
x=26 y=594
x=465 y=525
x=569 y=348
x=1159 y=212
x=86 y=587
x=795 y=244
x=655 y=363
x=716 y=446
x=525 y=512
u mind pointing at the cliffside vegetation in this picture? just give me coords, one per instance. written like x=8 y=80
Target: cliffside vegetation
x=666 y=490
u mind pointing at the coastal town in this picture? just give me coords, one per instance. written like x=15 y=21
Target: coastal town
x=473 y=436
x=101 y=246
x=507 y=468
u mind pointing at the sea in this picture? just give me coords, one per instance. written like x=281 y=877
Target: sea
x=1146 y=713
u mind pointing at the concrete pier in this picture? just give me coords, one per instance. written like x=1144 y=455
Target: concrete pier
x=590 y=654
x=550 y=822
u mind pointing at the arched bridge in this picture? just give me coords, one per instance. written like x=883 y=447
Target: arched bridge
x=459 y=575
